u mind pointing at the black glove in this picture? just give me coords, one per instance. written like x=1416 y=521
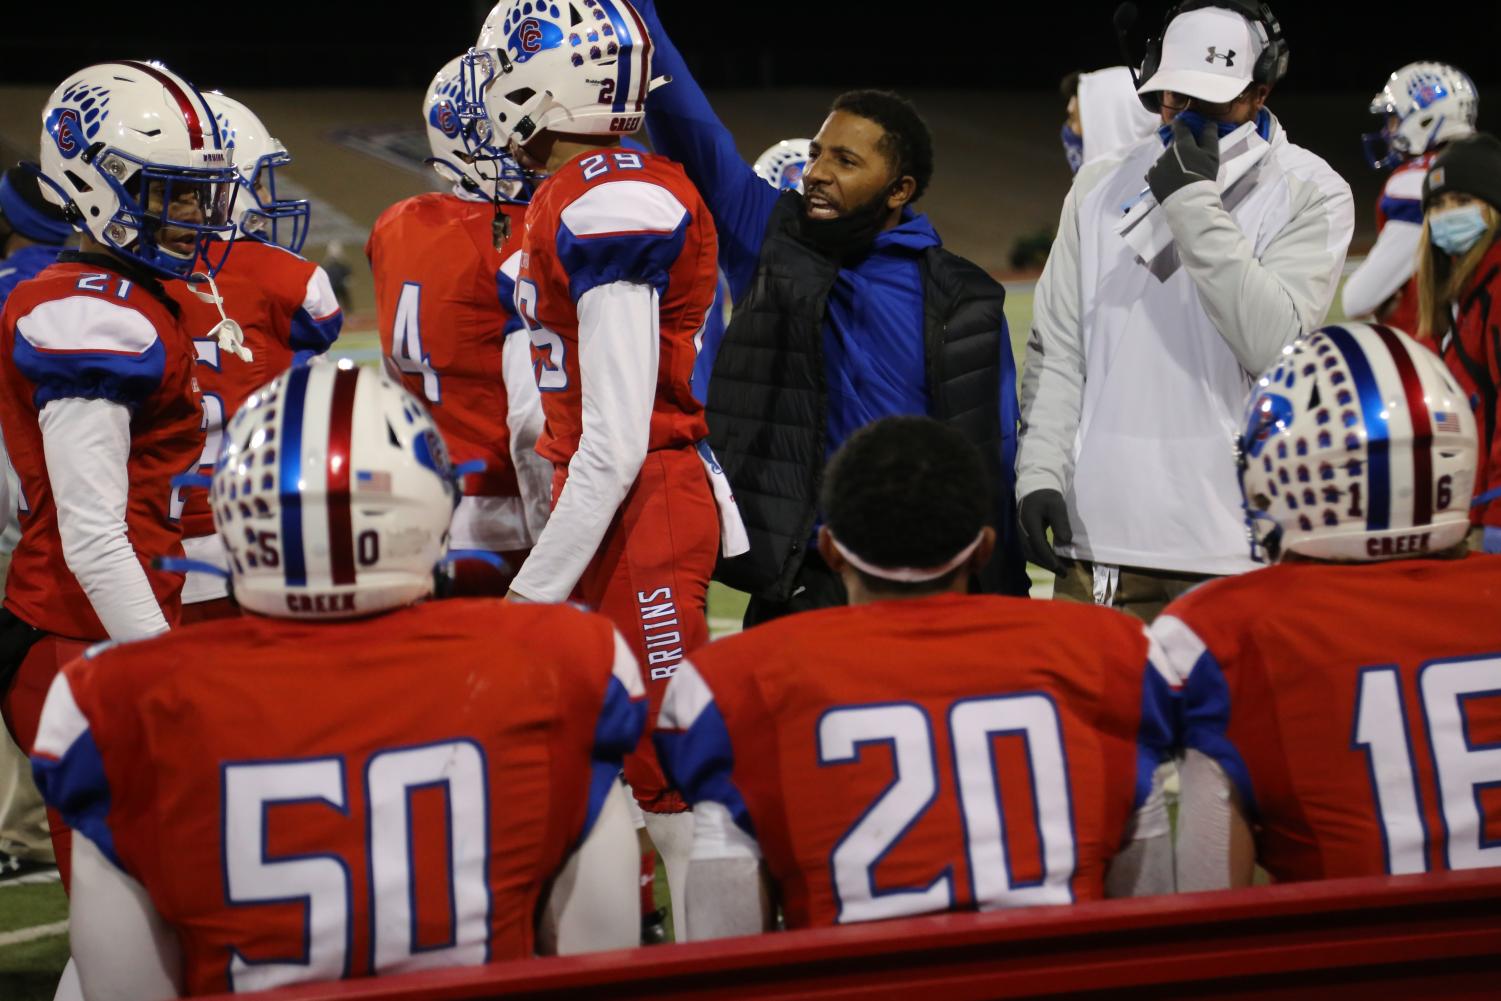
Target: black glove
x=1040 y=511
x=1188 y=158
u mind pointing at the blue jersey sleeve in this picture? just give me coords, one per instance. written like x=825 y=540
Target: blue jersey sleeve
x=1402 y=210
x=69 y=770
x=1157 y=737
x=1206 y=723
x=87 y=348
x=693 y=746
x=621 y=231
x=617 y=732
x=311 y=335
x=683 y=127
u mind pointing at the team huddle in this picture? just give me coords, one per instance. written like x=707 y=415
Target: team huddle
x=329 y=671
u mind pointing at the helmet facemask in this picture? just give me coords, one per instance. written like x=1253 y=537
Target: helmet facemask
x=174 y=220
x=268 y=216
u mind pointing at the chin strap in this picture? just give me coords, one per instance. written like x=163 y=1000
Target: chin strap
x=231 y=337
x=180 y=564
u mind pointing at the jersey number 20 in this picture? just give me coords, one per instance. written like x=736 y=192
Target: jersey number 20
x=973 y=725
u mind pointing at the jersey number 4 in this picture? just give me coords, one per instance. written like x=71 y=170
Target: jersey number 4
x=322 y=883
x=406 y=342
x=973 y=725
x=1463 y=769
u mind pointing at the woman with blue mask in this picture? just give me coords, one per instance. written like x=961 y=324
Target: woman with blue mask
x=1459 y=302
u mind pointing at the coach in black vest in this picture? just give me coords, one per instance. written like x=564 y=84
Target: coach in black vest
x=847 y=309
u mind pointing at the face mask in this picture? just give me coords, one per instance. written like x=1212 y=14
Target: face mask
x=1455 y=231
x=1073 y=148
x=850 y=235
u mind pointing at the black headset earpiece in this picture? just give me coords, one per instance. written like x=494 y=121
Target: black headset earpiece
x=1271 y=65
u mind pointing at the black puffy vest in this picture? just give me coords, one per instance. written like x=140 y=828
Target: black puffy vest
x=767 y=412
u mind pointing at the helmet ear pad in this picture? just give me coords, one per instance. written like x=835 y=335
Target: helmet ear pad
x=1271 y=65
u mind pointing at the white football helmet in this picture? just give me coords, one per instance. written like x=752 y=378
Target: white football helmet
x=579 y=66
x=782 y=165
x=259 y=212
x=117 y=136
x=475 y=170
x=1358 y=446
x=333 y=494
x=1421 y=106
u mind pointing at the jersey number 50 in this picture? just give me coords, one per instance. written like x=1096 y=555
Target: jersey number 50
x=973 y=726
x=322 y=883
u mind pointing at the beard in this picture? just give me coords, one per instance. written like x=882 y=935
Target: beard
x=848 y=236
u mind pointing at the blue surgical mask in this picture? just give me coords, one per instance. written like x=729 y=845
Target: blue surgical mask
x=1196 y=123
x=1455 y=231
x=1073 y=148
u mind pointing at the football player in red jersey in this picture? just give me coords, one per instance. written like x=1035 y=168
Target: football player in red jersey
x=439 y=261
x=924 y=749
x=239 y=829
x=1342 y=709
x=283 y=306
x=1423 y=108
x=99 y=408
x=618 y=271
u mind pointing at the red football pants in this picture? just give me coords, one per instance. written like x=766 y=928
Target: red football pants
x=651 y=579
x=22 y=709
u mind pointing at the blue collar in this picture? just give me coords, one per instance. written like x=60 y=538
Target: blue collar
x=913 y=233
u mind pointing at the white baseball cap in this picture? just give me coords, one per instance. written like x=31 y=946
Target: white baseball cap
x=1207 y=54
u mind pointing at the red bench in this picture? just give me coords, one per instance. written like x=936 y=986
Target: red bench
x=1409 y=936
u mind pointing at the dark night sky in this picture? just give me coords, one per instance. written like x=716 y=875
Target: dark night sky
x=1007 y=46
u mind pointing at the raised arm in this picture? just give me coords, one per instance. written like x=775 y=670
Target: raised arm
x=684 y=128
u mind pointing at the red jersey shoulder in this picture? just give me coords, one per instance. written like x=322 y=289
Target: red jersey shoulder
x=277 y=272
x=618 y=191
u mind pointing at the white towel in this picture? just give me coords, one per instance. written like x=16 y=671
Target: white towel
x=733 y=540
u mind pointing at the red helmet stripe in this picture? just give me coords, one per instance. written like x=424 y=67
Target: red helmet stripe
x=340 y=437
x=190 y=114
x=1422 y=426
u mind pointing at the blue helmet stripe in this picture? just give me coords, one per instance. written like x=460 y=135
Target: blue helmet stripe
x=1378 y=430
x=293 y=558
x=627 y=40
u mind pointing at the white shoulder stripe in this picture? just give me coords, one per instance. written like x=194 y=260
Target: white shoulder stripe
x=62 y=721
x=83 y=323
x=686 y=699
x=1405 y=184
x=1174 y=648
x=626 y=670
x=624 y=207
x=511 y=266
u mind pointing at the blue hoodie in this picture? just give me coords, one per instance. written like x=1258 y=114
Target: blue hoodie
x=874 y=355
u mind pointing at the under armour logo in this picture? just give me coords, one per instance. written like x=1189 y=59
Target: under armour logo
x=1229 y=57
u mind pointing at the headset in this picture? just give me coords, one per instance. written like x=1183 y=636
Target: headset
x=1271 y=65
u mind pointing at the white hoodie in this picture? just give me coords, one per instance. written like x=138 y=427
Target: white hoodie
x=1136 y=377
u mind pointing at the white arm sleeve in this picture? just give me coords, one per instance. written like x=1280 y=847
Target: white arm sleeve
x=1053 y=375
x=524 y=419
x=1261 y=303
x=1385 y=270
x=1204 y=825
x=1144 y=865
x=725 y=892
x=122 y=948
x=87 y=447
x=595 y=901
x=619 y=344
